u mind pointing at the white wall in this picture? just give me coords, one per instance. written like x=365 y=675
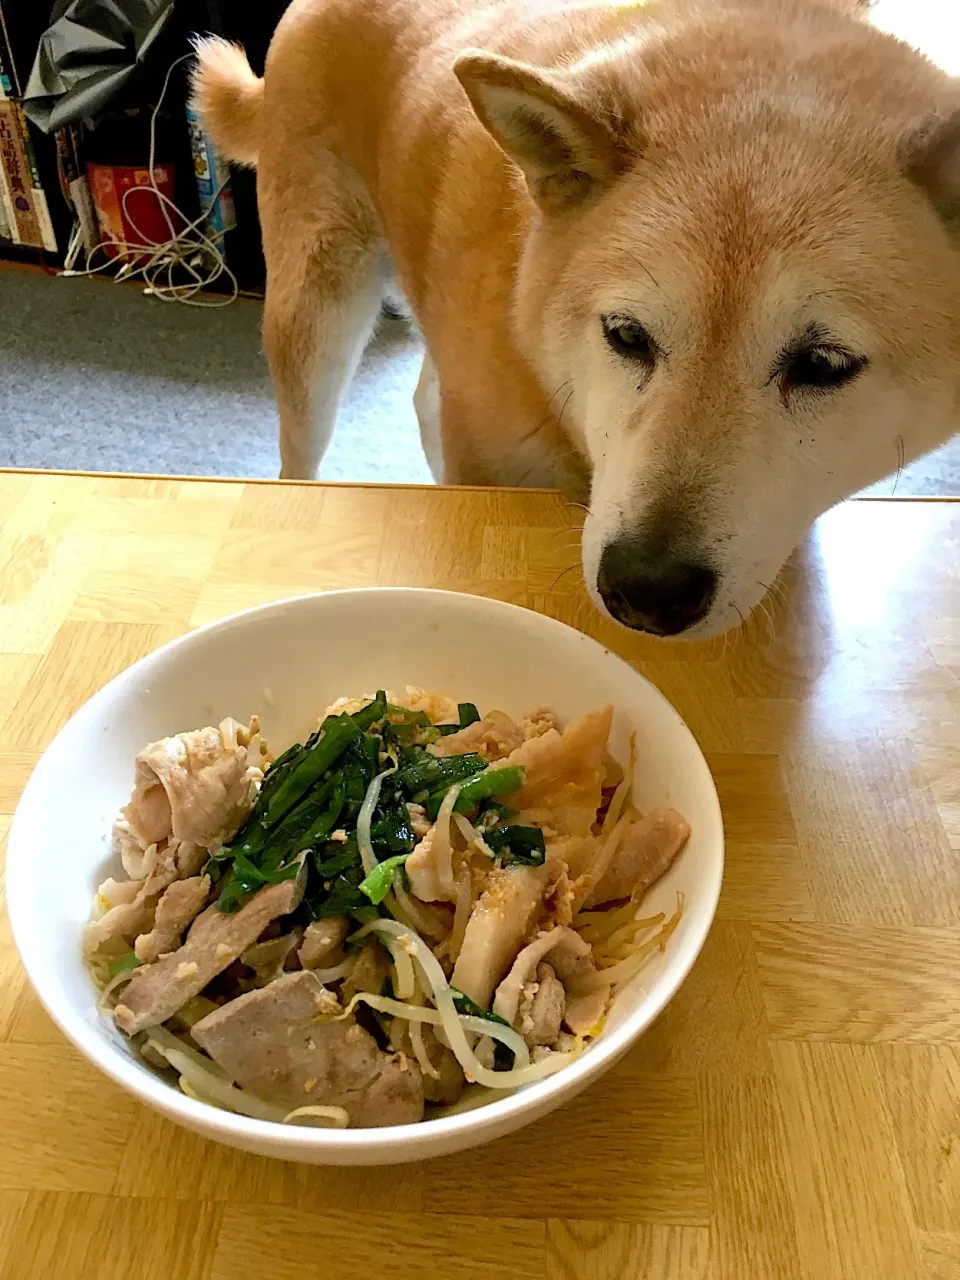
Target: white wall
x=933 y=26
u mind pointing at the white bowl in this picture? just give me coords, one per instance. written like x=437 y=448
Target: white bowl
x=287 y=661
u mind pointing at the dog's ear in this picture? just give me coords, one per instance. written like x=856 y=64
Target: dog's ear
x=565 y=152
x=933 y=162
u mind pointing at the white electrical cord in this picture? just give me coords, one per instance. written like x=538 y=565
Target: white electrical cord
x=190 y=250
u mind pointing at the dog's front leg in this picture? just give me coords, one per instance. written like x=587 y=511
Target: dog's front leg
x=426 y=402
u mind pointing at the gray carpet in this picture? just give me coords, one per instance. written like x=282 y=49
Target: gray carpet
x=95 y=377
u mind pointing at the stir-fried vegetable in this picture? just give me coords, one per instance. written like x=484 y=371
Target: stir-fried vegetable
x=503 y=1059
x=423 y=772
x=380 y=880
x=524 y=845
x=344 y=812
x=340 y=801
x=304 y=794
x=478 y=787
x=463 y=1004
x=123 y=964
x=467 y=714
x=246 y=878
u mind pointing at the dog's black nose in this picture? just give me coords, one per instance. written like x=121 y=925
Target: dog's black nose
x=653 y=589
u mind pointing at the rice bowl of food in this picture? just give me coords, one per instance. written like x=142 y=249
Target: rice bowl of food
x=368 y=876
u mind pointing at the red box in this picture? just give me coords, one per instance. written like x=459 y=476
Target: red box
x=137 y=218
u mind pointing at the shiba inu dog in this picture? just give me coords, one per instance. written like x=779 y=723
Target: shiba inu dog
x=697 y=261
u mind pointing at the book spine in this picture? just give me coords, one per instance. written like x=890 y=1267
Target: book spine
x=26 y=204
x=9 y=86
x=213 y=181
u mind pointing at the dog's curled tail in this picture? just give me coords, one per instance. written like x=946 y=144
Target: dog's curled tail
x=229 y=98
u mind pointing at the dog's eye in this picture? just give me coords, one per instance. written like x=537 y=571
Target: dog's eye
x=820 y=368
x=629 y=338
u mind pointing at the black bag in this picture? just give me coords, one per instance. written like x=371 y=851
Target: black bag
x=87 y=56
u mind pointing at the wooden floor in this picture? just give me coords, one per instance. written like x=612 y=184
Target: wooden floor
x=794 y=1115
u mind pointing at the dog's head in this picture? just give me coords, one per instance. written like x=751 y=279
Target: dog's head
x=742 y=276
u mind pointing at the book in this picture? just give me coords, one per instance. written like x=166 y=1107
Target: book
x=213 y=181
x=9 y=85
x=25 y=211
x=74 y=185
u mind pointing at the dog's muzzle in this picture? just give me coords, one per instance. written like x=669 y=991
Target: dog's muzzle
x=651 y=588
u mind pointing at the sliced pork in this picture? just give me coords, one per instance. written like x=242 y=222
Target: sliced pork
x=564 y=774
x=645 y=853
x=542 y=1003
x=322 y=940
x=215 y=940
x=497 y=926
x=196 y=786
x=494 y=737
x=179 y=904
x=281 y=1044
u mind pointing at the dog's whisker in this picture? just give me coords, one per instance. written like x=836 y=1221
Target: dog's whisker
x=563 y=574
x=768 y=618
x=900 y=462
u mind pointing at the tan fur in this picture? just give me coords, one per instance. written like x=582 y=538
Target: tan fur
x=230 y=98
x=727 y=172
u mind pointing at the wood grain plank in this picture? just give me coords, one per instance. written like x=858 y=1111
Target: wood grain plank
x=15 y=769
x=15 y=672
x=630 y=1147
x=82 y=658
x=153 y=577
x=361 y=507
x=47 y=506
x=185 y=1166
x=846 y=1183
x=64 y=1125
x=77 y=1236
x=835 y=982
x=345 y=557
x=23 y=560
x=764 y=881
x=11 y=1206
x=580 y=1250
x=941 y=1255
x=30 y=1023
x=143 y=516
x=503 y=554
x=420 y=550
x=32 y=625
x=921 y=1085
x=941 y=769
x=140 y=487
x=752 y=1224
x=113 y=596
x=870 y=835
x=227 y=491
x=263 y=1242
x=794 y=1112
x=717 y=1015
x=704 y=695
x=756 y=809
x=12 y=978
x=268 y=509
x=217 y=599
x=553 y=561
